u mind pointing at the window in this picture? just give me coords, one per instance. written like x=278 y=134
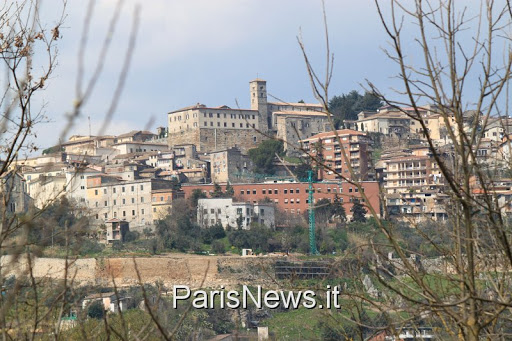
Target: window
x=115 y=202
x=141 y=187
x=104 y=191
x=262 y=211
x=239 y=211
x=276 y=191
x=142 y=211
x=242 y=192
x=124 y=213
x=263 y=191
x=205 y=124
x=241 y=125
x=95 y=192
x=154 y=209
x=212 y=210
x=133 y=212
x=113 y=190
x=161 y=198
x=106 y=203
x=285 y=191
x=232 y=125
x=133 y=188
x=297 y=191
x=253 y=191
x=115 y=214
x=291 y=191
x=124 y=201
x=96 y=204
x=122 y=189
x=141 y=199
x=106 y=215
x=82 y=187
x=133 y=200
x=97 y=217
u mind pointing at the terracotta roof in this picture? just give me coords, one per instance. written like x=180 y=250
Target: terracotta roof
x=331 y=134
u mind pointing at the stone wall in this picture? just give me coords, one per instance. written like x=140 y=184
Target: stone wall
x=194 y=271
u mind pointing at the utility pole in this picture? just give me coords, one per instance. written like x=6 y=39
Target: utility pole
x=312 y=239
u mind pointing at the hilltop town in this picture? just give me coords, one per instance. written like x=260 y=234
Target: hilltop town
x=277 y=181
x=135 y=177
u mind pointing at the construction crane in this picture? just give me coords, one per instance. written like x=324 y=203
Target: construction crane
x=312 y=239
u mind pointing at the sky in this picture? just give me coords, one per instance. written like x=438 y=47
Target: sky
x=204 y=51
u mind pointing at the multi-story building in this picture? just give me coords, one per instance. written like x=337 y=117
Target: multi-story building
x=293 y=197
x=109 y=197
x=161 y=201
x=408 y=172
x=13 y=193
x=234 y=214
x=325 y=149
x=387 y=122
x=293 y=126
x=219 y=128
x=229 y=165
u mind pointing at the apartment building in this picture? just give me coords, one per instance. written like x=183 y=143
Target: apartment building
x=234 y=214
x=161 y=201
x=327 y=148
x=131 y=200
x=404 y=173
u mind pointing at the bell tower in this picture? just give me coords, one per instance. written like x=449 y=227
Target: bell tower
x=258 y=91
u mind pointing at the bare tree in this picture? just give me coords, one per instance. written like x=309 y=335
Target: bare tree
x=456 y=59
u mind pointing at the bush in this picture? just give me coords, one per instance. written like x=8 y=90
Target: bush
x=96 y=310
x=218 y=247
x=89 y=247
x=130 y=236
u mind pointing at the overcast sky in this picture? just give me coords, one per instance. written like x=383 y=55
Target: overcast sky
x=207 y=51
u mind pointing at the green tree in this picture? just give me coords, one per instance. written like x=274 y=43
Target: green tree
x=358 y=212
x=337 y=209
x=230 y=192
x=263 y=156
x=96 y=310
x=195 y=196
x=175 y=184
x=347 y=106
x=217 y=191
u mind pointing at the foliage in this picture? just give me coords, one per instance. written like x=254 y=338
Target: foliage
x=358 y=212
x=347 y=106
x=263 y=156
x=96 y=309
x=176 y=230
x=218 y=247
x=195 y=196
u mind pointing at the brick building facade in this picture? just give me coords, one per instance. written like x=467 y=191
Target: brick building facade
x=292 y=197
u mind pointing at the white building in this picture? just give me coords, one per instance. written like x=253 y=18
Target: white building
x=234 y=214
